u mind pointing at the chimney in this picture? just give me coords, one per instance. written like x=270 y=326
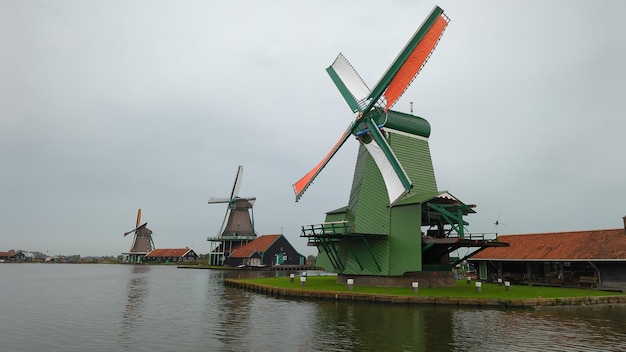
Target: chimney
x=624 y=224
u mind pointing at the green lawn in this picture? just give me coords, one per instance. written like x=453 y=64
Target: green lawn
x=461 y=290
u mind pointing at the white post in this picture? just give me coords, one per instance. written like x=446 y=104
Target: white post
x=291 y=277
x=499 y=282
x=469 y=280
x=350 y=283
x=479 y=286
x=415 y=286
x=302 y=280
x=507 y=285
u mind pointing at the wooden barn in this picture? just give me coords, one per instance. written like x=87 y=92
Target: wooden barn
x=7 y=256
x=169 y=255
x=266 y=250
x=593 y=258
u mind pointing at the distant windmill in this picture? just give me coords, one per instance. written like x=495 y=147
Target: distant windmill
x=142 y=242
x=497 y=223
x=238 y=225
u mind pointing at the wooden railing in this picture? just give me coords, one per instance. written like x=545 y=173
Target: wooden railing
x=325 y=229
x=476 y=236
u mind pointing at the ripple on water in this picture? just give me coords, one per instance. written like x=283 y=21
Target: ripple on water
x=161 y=308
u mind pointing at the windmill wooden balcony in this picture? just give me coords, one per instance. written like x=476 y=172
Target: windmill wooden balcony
x=327 y=230
x=434 y=248
x=231 y=238
x=325 y=236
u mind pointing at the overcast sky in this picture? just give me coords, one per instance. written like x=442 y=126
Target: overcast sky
x=111 y=106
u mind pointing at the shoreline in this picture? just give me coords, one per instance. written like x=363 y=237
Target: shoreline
x=281 y=292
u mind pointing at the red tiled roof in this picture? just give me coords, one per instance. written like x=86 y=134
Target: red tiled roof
x=261 y=244
x=7 y=254
x=169 y=252
x=578 y=245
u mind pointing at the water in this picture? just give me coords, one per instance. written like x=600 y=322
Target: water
x=70 y=307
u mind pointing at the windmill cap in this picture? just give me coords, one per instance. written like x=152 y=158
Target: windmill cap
x=405 y=122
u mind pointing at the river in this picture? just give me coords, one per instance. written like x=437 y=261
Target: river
x=100 y=307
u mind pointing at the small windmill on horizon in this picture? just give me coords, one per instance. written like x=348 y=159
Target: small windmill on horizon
x=142 y=242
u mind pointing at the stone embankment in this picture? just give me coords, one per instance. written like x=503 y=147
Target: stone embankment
x=424 y=300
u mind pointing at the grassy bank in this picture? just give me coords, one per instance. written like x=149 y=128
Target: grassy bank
x=203 y=266
x=461 y=290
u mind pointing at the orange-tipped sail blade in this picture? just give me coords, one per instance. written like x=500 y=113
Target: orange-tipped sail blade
x=416 y=60
x=302 y=184
x=409 y=62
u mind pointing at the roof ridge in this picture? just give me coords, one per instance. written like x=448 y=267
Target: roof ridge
x=559 y=232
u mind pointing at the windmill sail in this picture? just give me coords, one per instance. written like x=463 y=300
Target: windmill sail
x=138 y=217
x=237 y=184
x=302 y=184
x=350 y=84
x=373 y=104
x=396 y=179
x=410 y=61
x=415 y=61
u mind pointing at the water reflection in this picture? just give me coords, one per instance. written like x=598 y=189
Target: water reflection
x=553 y=329
x=136 y=290
x=232 y=316
x=375 y=327
x=142 y=308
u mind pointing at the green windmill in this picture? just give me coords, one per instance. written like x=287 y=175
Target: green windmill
x=397 y=225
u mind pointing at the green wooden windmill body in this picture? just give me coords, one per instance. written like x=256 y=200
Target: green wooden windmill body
x=384 y=240
x=394 y=192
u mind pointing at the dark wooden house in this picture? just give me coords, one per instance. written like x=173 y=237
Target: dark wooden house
x=171 y=255
x=595 y=258
x=266 y=250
